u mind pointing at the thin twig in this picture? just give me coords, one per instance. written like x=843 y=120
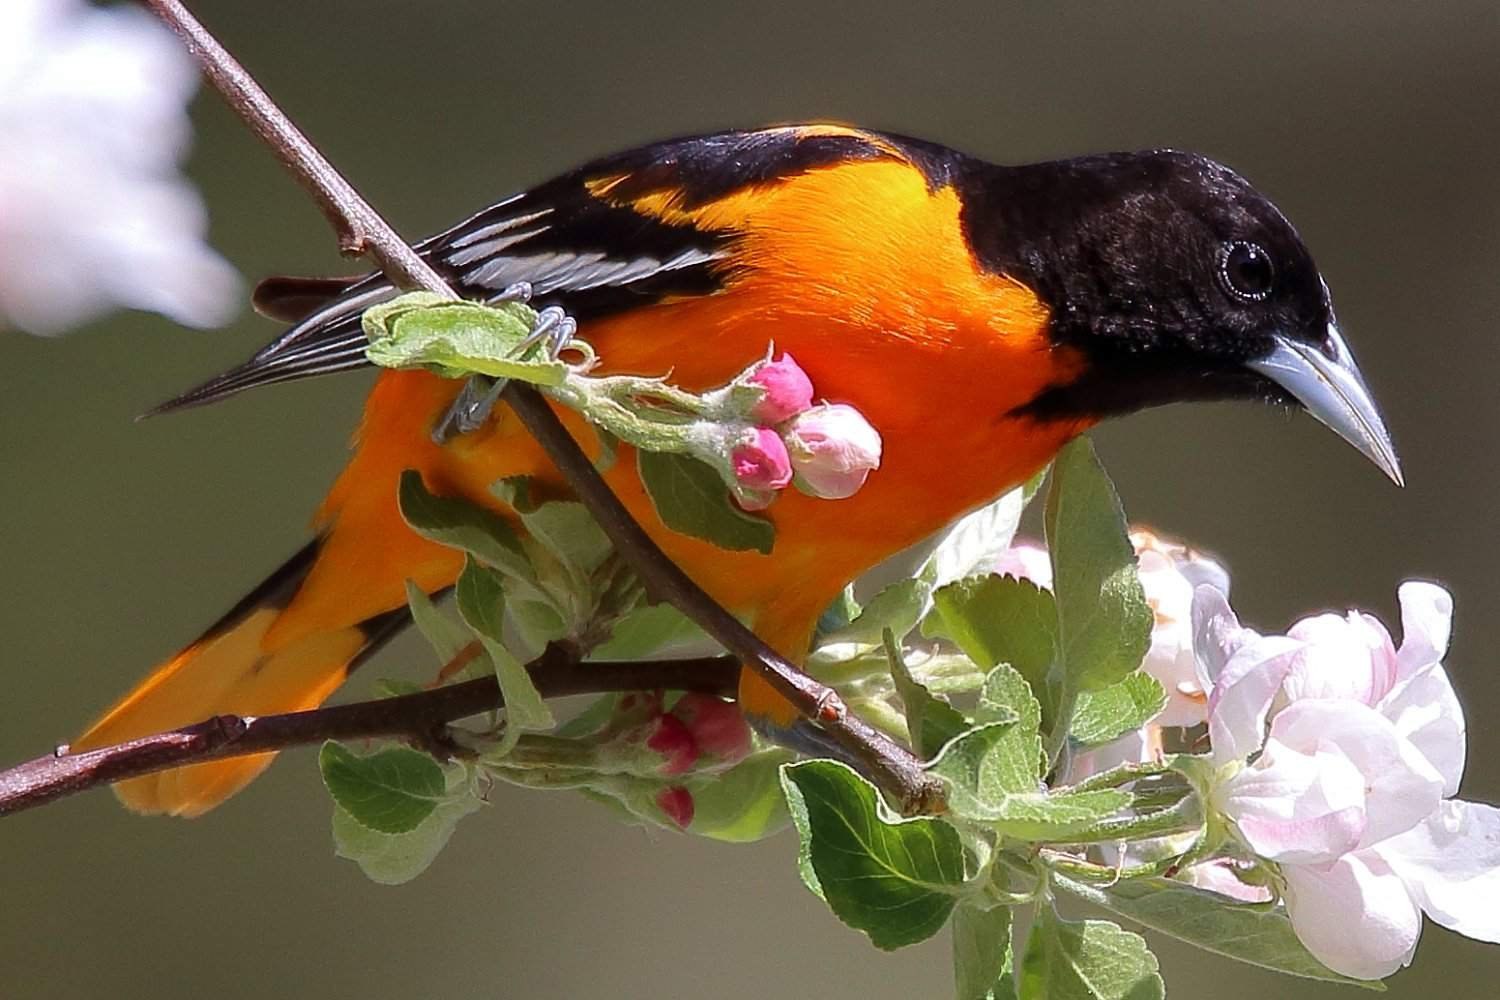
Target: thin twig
x=886 y=762
x=418 y=716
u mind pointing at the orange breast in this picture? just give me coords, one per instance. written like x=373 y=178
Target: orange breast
x=862 y=274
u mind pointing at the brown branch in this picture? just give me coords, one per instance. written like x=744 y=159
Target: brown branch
x=886 y=762
x=420 y=717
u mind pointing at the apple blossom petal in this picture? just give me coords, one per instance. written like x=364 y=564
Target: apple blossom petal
x=1401 y=788
x=1170 y=657
x=1219 y=876
x=760 y=462
x=1026 y=560
x=1426 y=624
x=1351 y=657
x=1135 y=747
x=786 y=387
x=1217 y=633
x=1170 y=660
x=1425 y=710
x=1242 y=696
x=1354 y=915
x=1451 y=864
x=833 y=449
x=1294 y=807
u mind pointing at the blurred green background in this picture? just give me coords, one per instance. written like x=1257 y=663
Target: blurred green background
x=1372 y=124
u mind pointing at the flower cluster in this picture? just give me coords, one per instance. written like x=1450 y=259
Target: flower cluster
x=782 y=439
x=698 y=733
x=1336 y=755
x=1340 y=756
x=93 y=214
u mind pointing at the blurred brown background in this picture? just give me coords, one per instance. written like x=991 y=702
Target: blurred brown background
x=1372 y=124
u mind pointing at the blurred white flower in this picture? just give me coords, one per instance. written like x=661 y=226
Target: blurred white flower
x=1340 y=756
x=1169 y=573
x=93 y=213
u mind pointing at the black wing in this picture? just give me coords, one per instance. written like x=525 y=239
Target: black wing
x=590 y=255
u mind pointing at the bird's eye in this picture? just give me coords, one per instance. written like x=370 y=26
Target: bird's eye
x=1245 y=271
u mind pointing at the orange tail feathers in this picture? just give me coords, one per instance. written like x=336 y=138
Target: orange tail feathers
x=231 y=670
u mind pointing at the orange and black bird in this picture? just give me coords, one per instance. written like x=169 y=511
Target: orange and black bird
x=980 y=316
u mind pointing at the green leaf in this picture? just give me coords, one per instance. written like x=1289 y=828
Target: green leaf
x=391 y=859
x=745 y=803
x=1056 y=816
x=691 y=498
x=565 y=527
x=1105 y=715
x=984 y=766
x=992 y=778
x=976 y=540
x=1004 y=696
x=895 y=879
x=896 y=606
x=1251 y=934
x=1105 y=623
x=421 y=329
x=446 y=636
x=480 y=595
x=930 y=720
x=1087 y=960
x=390 y=791
x=981 y=953
x=646 y=630
x=459 y=524
x=1000 y=619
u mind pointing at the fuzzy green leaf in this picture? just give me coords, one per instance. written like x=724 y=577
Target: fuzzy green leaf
x=976 y=540
x=391 y=859
x=390 y=791
x=930 y=720
x=992 y=779
x=1105 y=623
x=895 y=879
x=565 y=527
x=1087 y=960
x=1251 y=934
x=896 y=606
x=1005 y=696
x=999 y=619
x=446 y=636
x=480 y=596
x=459 y=524
x=421 y=329
x=647 y=630
x=1109 y=713
x=982 y=966
x=691 y=498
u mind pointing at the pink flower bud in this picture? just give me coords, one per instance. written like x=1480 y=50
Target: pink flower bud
x=717 y=727
x=677 y=803
x=833 y=448
x=675 y=743
x=788 y=390
x=761 y=461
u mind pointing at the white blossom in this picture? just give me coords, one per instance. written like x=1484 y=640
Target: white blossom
x=1340 y=756
x=93 y=213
